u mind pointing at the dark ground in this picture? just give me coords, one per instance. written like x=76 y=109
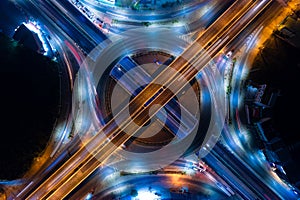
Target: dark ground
x=278 y=66
x=29 y=105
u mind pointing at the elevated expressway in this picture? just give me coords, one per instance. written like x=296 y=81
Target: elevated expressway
x=95 y=152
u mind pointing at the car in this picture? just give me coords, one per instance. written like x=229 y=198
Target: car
x=229 y=54
x=198 y=167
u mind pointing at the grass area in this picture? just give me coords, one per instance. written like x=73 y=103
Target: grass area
x=30 y=98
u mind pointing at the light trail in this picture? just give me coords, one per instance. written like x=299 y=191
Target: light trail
x=67 y=172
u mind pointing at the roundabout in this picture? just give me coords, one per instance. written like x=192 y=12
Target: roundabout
x=153 y=121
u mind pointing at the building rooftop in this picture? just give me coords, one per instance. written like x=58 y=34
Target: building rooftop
x=28 y=38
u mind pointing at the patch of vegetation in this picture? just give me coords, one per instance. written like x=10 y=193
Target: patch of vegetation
x=278 y=66
x=30 y=97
